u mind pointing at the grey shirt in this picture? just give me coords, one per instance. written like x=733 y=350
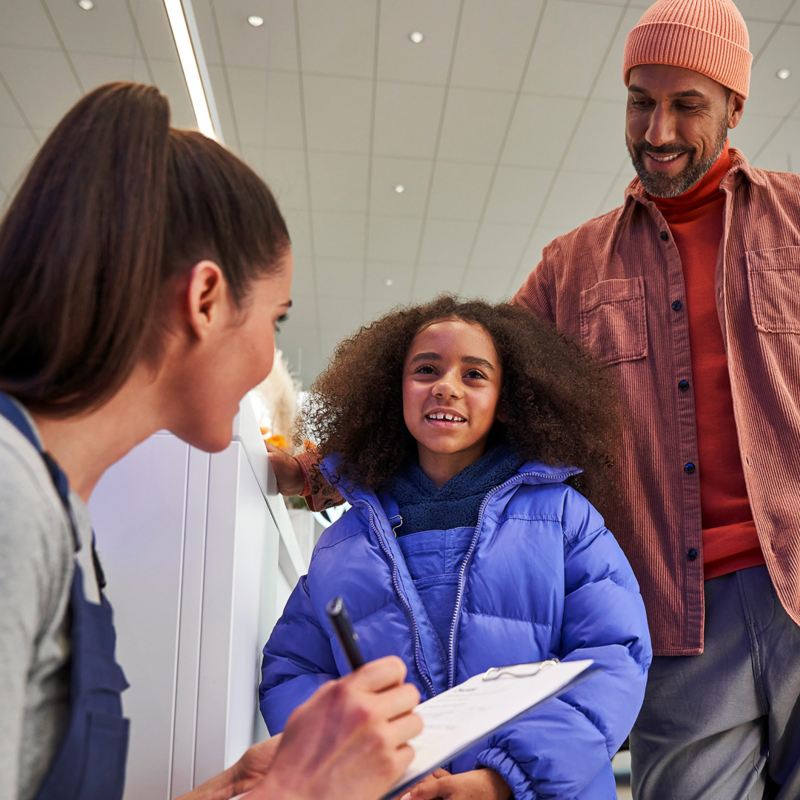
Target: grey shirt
x=37 y=560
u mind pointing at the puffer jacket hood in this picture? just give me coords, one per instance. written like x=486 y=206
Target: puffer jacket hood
x=542 y=578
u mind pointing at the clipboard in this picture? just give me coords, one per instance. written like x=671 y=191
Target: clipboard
x=456 y=719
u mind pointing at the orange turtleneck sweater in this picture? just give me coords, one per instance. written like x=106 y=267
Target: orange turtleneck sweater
x=695 y=218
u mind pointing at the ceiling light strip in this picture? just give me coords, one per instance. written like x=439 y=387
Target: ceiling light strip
x=193 y=65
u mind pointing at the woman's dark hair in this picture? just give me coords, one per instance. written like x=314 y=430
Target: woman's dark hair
x=556 y=404
x=115 y=206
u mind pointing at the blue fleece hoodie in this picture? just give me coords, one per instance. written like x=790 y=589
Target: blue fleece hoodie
x=542 y=578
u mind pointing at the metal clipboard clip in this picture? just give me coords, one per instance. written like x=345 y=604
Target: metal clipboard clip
x=519 y=671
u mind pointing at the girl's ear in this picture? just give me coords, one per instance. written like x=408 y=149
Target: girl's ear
x=205 y=298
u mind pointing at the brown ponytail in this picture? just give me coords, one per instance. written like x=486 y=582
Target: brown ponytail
x=114 y=206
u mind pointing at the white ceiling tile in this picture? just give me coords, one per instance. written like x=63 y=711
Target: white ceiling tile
x=338 y=38
x=459 y=190
x=153 y=25
x=493 y=43
x=430 y=283
x=94 y=70
x=388 y=281
x=475 y=125
x=753 y=132
x=413 y=174
x=794 y=15
x=610 y=85
x=772 y=10
x=599 y=141
x=499 y=248
x=338 y=113
x=272 y=46
x=407 y=119
x=574 y=199
x=299 y=225
x=338 y=181
x=304 y=277
x=343 y=313
x=760 y=33
x=517 y=195
x=570 y=48
x=338 y=235
x=428 y=62
x=339 y=277
x=26 y=24
x=283 y=126
x=768 y=95
x=17 y=148
x=106 y=30
x=485 y=284
x=532 y=255
x=249 y=101
x=447 y=241
x=10 y=116
x=41 y=81
x=394 y=239
x=377 y=307
x=782 y=152
x=540 y=131
x=300 y=345
x=169 y=79
x=285 y=173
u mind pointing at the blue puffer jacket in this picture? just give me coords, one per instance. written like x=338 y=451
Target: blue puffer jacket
x=542 y=578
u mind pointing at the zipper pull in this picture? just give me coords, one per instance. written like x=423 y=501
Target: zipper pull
x=396 y=521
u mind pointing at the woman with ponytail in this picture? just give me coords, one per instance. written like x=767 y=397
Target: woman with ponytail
x=142 y=272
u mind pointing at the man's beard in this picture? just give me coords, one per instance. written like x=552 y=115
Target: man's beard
x=658 y=184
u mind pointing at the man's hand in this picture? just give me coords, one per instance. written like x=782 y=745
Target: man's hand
x=478 y=784
x=349 y=741
x=287 y=471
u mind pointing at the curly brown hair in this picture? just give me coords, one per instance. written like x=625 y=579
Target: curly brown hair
x=556 y=404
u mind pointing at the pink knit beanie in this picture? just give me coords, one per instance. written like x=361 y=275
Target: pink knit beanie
x=705 y=36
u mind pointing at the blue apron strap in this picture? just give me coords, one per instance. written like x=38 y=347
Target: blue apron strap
x=12 y=412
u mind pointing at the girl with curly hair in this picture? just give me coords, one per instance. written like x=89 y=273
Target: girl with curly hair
x=453 y=429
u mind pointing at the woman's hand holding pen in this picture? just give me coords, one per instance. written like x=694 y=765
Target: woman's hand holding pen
x=349 y=740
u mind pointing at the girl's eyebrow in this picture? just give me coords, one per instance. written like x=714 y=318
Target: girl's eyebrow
x=473 y=360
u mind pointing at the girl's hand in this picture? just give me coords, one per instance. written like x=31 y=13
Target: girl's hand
x=478 y=784
x=288 y=474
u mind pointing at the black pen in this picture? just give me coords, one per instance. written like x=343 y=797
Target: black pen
x=348 y=638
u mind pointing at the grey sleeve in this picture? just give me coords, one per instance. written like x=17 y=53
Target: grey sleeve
x=31 y=585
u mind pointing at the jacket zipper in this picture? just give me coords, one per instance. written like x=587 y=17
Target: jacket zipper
x=404 y=601
x=451 y=646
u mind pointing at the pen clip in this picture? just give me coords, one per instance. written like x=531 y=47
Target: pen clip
x=517 y=671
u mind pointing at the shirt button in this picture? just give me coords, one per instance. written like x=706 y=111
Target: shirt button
x=664 y=236
x=677 y=305
x=689 y=468
x=683 y=385
x=691 y=554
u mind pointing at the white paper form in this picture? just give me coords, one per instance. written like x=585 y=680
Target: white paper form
x=470 y=711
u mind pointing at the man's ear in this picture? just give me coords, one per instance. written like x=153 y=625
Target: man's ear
x=205 y=299
x=735 y=109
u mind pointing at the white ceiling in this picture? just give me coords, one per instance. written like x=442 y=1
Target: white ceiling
x=505 y=126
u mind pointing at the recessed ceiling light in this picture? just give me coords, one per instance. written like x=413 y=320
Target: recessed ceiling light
x=783 y=73
x=389 y=282
x=255 y=20
x=416 y=37
x=86 y=5
x=399 y=188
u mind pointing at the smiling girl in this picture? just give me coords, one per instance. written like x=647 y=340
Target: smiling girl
x=452 y=429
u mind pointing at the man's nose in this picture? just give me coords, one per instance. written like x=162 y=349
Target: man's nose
x=661 y=127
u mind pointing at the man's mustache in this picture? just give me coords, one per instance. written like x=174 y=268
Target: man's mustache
x=662 y=150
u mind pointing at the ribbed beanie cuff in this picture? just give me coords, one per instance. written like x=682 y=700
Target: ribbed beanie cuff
x=705 y=36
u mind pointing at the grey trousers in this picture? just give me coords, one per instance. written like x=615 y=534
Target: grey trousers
x=725 y=725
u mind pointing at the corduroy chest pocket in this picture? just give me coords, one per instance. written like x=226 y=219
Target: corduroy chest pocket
x=614 y=320
x=773 y=277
